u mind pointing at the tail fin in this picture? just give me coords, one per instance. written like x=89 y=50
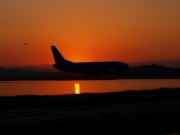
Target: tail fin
x=58 y=58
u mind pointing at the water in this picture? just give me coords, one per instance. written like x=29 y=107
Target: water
x=14 y=88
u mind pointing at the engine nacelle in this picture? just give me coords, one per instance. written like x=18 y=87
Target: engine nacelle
x=110 y=70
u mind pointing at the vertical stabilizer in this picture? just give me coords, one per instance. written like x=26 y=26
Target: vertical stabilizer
x=58 y=58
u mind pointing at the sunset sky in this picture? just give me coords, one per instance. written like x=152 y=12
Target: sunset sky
x=132 y=31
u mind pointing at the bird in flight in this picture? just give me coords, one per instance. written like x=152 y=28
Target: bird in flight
x=25 y=43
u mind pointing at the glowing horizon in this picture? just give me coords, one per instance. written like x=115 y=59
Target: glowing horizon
x=129 y=31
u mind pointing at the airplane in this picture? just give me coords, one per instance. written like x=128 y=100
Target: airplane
x=88 y=68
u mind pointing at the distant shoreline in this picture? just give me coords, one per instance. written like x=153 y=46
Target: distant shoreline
x=152 y=71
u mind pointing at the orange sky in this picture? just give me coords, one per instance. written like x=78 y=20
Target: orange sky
x=132 y=31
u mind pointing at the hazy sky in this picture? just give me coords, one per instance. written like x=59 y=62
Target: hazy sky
x=132 y=31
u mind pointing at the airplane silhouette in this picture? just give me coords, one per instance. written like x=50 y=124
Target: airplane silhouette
x=88 y=68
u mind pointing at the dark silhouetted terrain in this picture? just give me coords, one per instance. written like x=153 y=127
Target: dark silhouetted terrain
x=153 y=71
x=129 y=112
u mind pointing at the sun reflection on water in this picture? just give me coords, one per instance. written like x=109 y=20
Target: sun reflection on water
x=77 y=88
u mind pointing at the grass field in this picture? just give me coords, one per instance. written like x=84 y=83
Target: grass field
x=130 y=112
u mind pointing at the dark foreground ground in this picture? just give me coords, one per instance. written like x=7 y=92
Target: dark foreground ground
x=130 y=112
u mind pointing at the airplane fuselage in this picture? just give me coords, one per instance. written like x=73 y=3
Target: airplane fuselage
x=92 y=67
x=86 y=67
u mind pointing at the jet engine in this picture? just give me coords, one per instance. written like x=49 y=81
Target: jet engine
x=110 y=70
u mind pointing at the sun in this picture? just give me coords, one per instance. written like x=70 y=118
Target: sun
x=77 y=88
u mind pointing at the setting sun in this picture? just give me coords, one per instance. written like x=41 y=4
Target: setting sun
x=137 y=32
x=77 y=88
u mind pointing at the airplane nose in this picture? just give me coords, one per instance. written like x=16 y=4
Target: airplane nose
x=122 y=67
x=127 y=66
